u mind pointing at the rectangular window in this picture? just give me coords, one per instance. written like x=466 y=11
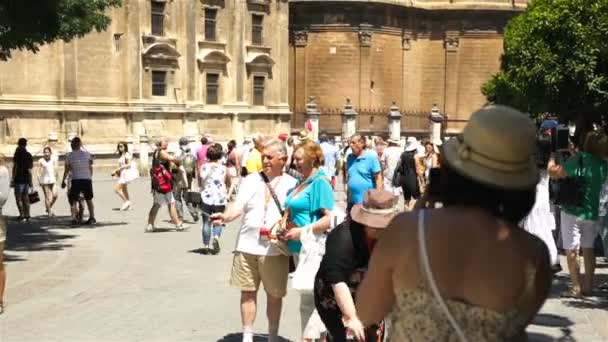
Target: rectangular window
x=117 y=42
x=210 y=23
x=159 y=83
x=258 y=90
x=158 y=18
x=257 y=27
x=213 y=85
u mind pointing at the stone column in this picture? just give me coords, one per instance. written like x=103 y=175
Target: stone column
x=349 y=121
x=312 y=114
x=436 y=119
x=394 y=122
x=365 y=99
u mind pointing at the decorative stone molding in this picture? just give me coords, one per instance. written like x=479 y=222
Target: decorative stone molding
x=300 y=38
x=161 y=54
x=259 y=5
x=451 y=43
x=212 y=59
x=259 y=62
x=365 y=37
x=406 y=41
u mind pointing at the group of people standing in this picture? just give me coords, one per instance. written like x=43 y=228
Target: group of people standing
x=464 y=270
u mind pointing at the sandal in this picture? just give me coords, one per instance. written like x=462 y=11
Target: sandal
x=571 y=294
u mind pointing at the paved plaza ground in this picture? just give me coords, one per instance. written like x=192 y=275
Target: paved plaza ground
x=113 y=282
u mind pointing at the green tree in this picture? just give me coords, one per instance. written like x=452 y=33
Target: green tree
x=555 y=61
x=28 y=24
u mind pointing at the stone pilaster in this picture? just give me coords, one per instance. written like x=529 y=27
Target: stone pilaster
x=365 y=44
x=144 y=154
x=349 y=121
x=451 y=44
x=300 y=40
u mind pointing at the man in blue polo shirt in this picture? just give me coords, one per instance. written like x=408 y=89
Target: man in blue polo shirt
x=363 y=171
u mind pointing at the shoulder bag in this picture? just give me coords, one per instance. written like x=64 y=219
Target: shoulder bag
x=571 y=190
x=281 y=245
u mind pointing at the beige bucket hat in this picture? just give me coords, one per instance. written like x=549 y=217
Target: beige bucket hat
x=377 y=209
x=496 y=148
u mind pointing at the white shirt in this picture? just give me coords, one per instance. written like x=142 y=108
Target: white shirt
x=48 y=171
x=252 y=198
x=214 y=191
x=390 y=159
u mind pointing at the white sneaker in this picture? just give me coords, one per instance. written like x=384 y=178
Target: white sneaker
x=126 y=206
x=149 y=228
x=181 y=227
x=247 y=337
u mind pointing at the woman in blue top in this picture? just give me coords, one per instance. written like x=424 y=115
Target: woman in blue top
x=310 y=206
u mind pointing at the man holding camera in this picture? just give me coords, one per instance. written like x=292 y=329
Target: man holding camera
x=256 y=260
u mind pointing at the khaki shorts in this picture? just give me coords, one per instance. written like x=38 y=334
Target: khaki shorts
x=2 y=229
x=249 y=270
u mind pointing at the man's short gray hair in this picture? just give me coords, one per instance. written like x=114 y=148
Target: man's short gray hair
x=281 y=148
x=161 y=140
x=259 y=138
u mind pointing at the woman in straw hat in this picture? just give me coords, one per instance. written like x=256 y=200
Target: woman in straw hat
x=466 y=270
x=348 y=248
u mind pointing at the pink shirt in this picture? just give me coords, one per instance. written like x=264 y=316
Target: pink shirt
x=201 y=155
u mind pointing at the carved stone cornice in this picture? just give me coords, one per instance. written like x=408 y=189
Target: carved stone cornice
x=300 y=38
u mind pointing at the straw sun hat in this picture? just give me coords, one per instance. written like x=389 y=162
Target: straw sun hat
x=377 y=209
x=496 y=148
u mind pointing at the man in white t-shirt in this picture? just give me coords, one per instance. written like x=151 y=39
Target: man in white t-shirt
x=256 y=260
x=390 y=160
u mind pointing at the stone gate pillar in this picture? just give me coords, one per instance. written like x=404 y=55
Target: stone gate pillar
x=394 y=122
x=312 y=114
x=349 y=121
x=436 y=120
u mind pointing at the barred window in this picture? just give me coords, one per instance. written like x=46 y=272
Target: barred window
x=210 y=23
x=258 y=90
x=158 y=18
x=213 y=86
x=159 y=83
x=257 y=28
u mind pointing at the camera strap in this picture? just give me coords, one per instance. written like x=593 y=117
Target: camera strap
x=272 y=193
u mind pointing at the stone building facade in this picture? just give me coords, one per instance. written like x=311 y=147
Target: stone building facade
x=401 y=53
x=163 y=68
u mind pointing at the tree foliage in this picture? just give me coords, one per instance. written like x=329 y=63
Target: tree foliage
x=28 y=24
x=555 y=60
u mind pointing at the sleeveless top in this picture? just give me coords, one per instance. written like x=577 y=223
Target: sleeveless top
x=48 y=171
x=419 y=315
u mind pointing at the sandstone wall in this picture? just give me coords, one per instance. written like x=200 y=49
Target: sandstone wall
x=380 y=52
x=100 y=87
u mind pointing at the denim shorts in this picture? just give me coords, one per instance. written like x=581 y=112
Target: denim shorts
x=22 y=189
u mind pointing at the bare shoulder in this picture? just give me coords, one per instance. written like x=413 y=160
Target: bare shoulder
x=400 y=233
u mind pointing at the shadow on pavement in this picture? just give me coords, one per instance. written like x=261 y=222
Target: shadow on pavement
x=40 y=235
x=256 y=338
x=552 y=321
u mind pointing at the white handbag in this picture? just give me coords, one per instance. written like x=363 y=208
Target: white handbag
x=311 y=254
x=131 y=173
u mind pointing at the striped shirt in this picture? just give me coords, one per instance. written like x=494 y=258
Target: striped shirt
x=79 y=162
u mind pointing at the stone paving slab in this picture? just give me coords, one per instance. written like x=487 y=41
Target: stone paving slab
x=112 y=282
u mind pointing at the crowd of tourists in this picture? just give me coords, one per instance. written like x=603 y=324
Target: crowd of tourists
x=449 y=262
